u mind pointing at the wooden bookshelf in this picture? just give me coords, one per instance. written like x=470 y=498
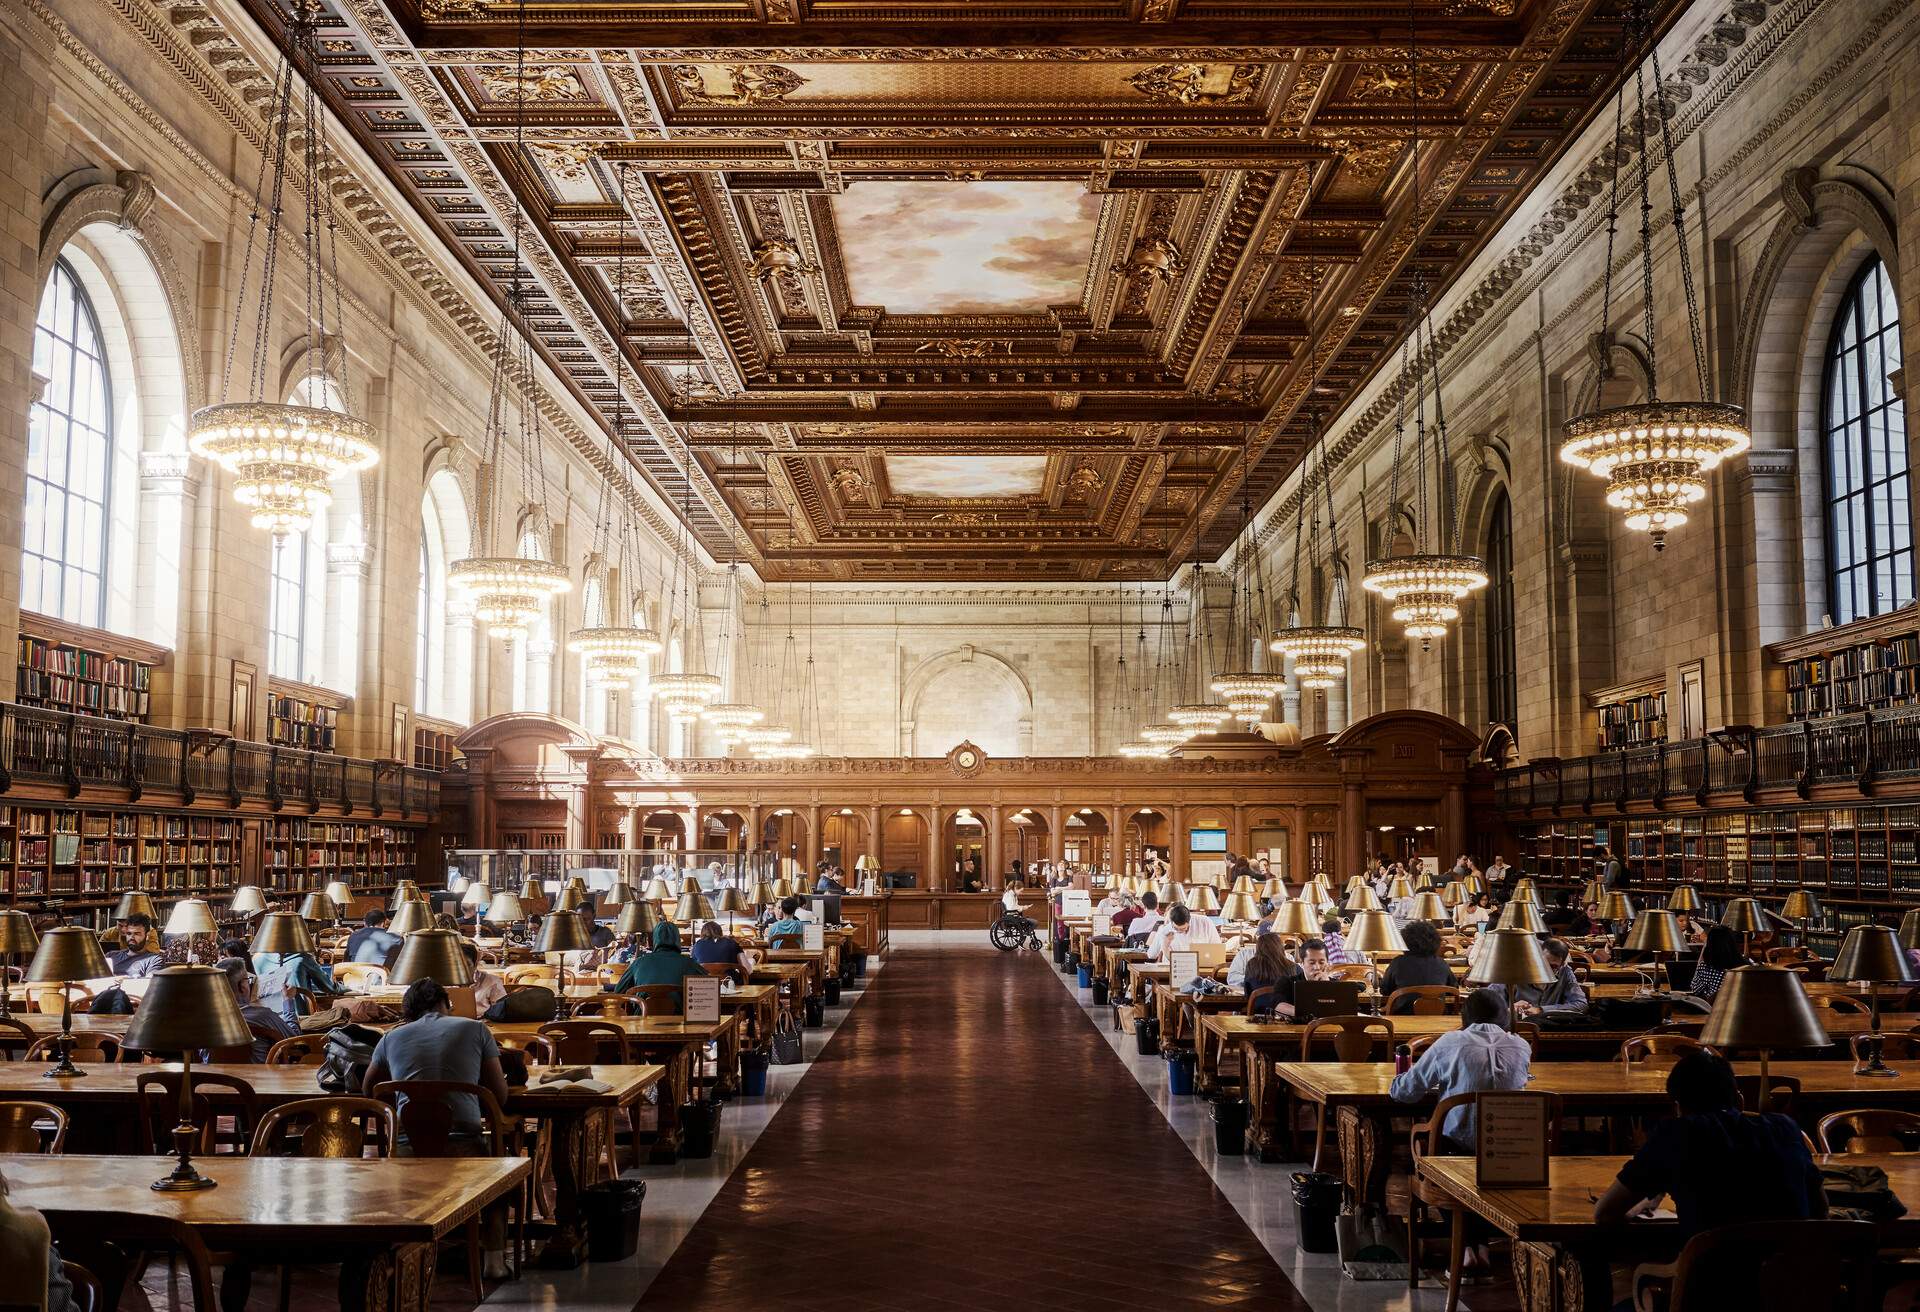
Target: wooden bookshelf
x=90 y=854
x=306 y=854
x=1631 y=715
x=432 y=746
x=64 y=667
x=303 y=716
x=1869 y=665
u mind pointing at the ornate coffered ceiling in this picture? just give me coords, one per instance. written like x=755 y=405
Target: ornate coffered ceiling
x=958 y=291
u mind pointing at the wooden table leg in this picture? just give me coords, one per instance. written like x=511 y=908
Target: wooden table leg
x=1457 y=1247
x=567 y=1246
x=673 y=1092
x=396 y=1279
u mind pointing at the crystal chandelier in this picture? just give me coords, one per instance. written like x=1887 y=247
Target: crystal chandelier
x=281 y=456
x=1196 y=714
x=1423 y=587
x=1131 y=689
x=1247 y=689
x=616 y=653
x=1319 y=652
x=1655 y=455
x=796 y=734
x=509 y=593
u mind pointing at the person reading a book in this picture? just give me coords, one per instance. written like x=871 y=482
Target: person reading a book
x=715 y=948
x=666 y=964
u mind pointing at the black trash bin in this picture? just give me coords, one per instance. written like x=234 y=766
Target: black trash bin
x=816 y=1011
x=699 y=1123
x=833 y=991
x=1146 y=1036
x=1099 y=991
x=612 y=1209
x=1060 y=953
x=1230 y=1126
x=1316 y=1207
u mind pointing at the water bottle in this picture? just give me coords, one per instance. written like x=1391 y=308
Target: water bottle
x=1402 y=1059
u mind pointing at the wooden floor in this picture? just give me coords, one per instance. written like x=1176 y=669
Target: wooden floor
x=968 y=1140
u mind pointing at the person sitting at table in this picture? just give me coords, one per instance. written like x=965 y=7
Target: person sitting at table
x=1313 y=965
x=714 y=948
x=1141 y=927
x=1420 y=964
x=280 y=974
x=1473 y=912
x=1263 y=963
x=373 y=943
x=30 y=1257
x=1690 y=930
x=488 y=988
x=137 y=957
x=434 y=1044
x=1565 y=996
x=1179 y=931
x=666 y=964
x=789 y=921
x=1482 y=1056
x=1334 y=935
x=1720 y=954
x=1720 y=1165
x=239 y=973
x=601 y=936
x=1112 y=904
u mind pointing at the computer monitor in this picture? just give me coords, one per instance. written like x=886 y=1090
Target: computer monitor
x=1315 y=998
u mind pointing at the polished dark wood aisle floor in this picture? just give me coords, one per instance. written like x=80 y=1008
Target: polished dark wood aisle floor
x=968 y=1140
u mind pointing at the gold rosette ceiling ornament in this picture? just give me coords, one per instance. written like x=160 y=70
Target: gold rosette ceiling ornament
x=1655 y=455
x=1319 y=652
x=617 y=651
x=283 y=456
x=510 y=592
x=1424 y=575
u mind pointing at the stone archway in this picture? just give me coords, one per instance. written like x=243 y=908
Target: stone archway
x=967 y=694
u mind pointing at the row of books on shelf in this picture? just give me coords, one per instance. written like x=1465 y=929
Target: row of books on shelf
x=1867 y=675
x=63 y=677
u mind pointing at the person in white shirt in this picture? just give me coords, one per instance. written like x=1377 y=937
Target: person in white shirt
x=1178 y=932
x=1011 y=899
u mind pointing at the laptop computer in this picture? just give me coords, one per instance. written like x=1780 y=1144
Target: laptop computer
x=1210 y=955
x=1314 y=998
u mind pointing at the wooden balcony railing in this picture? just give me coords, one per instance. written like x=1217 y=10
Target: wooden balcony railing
x=83 y=751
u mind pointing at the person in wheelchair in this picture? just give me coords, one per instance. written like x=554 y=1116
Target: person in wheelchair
x=1011 y=913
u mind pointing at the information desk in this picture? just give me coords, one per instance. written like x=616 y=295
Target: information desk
x=913 y=909
x=103 y=1105
x=381 y=1220
x=1563 y=1259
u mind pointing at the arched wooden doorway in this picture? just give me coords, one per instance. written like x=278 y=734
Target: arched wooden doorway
x=783 y=835
x=1145 y=829
x=1023 y=840
x=843 y=839
x=1087 y=838
x=663 y=831
x=963 y=850
x=726 y=831
x=903 y=845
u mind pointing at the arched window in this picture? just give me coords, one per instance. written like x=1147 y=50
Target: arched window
x=533 y=655
x=313 y=606
x=69 y=459
x=287 y=606
x=595 y=699
x=1864 y=427
x=443 y=647
x=1503 y=688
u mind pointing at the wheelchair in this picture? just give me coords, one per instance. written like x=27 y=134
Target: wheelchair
x=1014 y=931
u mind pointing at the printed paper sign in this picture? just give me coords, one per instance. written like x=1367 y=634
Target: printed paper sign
x=1512 y=1148
x=1102 y=924
x=702 y=999
x=1182 y=968
x=815 y=937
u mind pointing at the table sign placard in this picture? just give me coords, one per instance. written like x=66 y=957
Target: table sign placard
x=1512 y=1148
x=1076 y=904
x=814 y=937
x=1182 y=967
x=1102 y=924
x=702 y=999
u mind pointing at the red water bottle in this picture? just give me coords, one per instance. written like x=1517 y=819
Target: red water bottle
x=1402 y=1059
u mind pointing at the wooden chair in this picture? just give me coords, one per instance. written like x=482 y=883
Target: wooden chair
x=51 y=1000
x=608 y=1006
x=533 y=972
x=1653 y=1047
x=133 y=1235
x=359 y=976
x=87 y=1290
x=725 y=970
x=1354 y=1037
x=1772 y=1266
x=1782 y=1092
x=585 y=1042
x=1868 y=1131
x=1261 y=999
x=787 y=942
x=15 y=1038
x=426 y=1119
x=300 y=1050
x=88 y=1045
x=333 y=1126
x=21 y=1128
x=1428 y=1138
x=537 y=1050
x=656 y=999
x=1426 y=1000
x=1841 y=1004
x=158 y=1095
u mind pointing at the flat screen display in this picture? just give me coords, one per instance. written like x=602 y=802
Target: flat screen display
x=1207 y=840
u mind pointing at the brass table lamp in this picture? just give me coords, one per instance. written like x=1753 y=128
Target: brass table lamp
x=1684 y=897
x=1203 y=898
x=136 y=903
x=530 y=890
x=1242 y=884
x=692 y=907
x=17 y=939
x=411 y=917
x=1803 y=905
x=1745 y=917
x=1616 y=909
x=732 y=904
x=318 y=906
x=657 y=891
x=1363 y=899
x=1762 y=1007
x=1316 y=893
x=1525 y=890
x=1872 y=955
x=1296 y=918
x=637 y=919
x=1374 y=935
x=1358 y=882
x=504 y=909
x=1428 y=906
x=1595 y=891
x=282 y=932
x=762 y=894
x=689 y=884
x=1240 y=906
x=1910 y=929
x=340 y=895
x=248 y=900
x=66 y=956
x=571 y=898
x=562 y=934
x=191 y=918
x=1274 y=889
x=1475 y=884
x=1398 y=887
x=187 y=1008
x=403 y=892
x=1521 y=914
x=1454 y=893
x=1512 y=958
x=1655 y=932
x=433 y=954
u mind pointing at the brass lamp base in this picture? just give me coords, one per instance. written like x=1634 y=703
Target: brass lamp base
x=63 y=1069
x=1874 y=1064
x=183 y=1179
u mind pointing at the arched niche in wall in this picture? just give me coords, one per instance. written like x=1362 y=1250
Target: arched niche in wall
x=967 y=694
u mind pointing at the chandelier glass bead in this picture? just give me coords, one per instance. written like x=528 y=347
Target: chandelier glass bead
x=1319 y=652
x=1425 y=589
x=1655 y=456
x=1200 y=717
x=616 y=655
x=1139 y=749
x=282 y=457
x=508 y=592
x=1165 y=736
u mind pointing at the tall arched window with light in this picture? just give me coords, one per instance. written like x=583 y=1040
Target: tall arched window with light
x=69 y=459
x=1503 y=668
x=533 y=654
x=443 y=647
x=1864 y=431
x=595 y=698
x=313 y=606
x=287 y=604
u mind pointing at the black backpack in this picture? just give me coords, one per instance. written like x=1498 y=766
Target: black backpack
x=529 y=1004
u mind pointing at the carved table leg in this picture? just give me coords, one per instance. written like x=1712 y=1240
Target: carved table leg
x=567 y=1245
x=673 y=1092
x=1550 y=1278
x=396 y=1279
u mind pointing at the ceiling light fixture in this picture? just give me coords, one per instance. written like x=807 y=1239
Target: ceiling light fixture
x=1654 y=454
x=283 y=456
x=1247 y=689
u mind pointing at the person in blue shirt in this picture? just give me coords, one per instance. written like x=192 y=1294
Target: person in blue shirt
x=714 y=948
x=373 y=942
x=666 y=964
x=280 y=974
x=789 y=922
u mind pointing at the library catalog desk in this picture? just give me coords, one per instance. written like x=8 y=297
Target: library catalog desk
x=381 y=1220
x=103 y=1105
